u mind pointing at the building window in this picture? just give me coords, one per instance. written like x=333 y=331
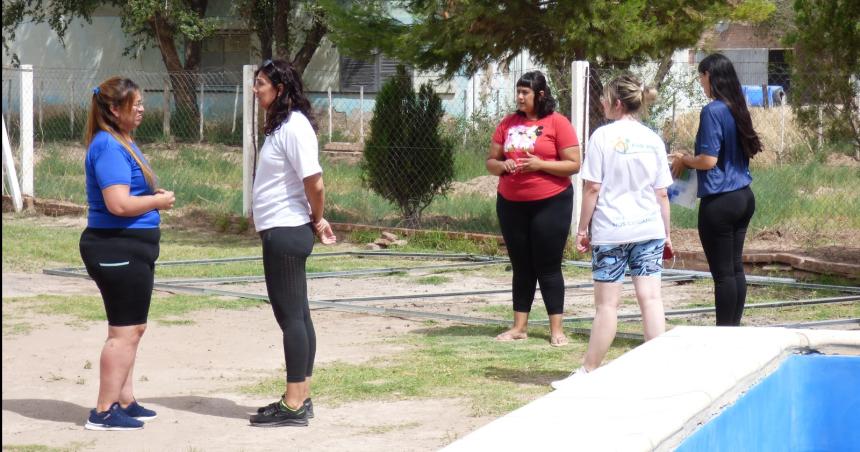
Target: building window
x=371 y=74
x=778 y=72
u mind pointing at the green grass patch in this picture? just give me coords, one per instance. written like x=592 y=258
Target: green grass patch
x=810 y=197
x=460 y=361
x=433 y=280
x=72 y=447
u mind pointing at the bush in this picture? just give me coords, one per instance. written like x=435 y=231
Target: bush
x=406 y=161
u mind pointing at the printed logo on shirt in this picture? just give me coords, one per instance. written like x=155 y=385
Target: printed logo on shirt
x=625 y=146
x=521 y=139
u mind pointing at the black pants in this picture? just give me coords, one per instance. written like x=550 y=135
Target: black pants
x=122 y=264
x=535 y=233
x=285 y=251
x=723 y=221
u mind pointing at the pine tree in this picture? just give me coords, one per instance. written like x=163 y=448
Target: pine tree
x=406 y=161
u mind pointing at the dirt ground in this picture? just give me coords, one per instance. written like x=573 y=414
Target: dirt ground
x=190 y=375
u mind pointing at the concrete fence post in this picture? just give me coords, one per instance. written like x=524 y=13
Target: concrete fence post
x=27 y=130
x=249 y=137
x=579 y=116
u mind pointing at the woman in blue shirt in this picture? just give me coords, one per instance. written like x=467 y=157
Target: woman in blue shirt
x=725 y=142
x=120 y=244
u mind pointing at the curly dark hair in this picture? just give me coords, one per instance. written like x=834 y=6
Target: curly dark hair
x=545 y=104
x=726 y=87
x=292 y=97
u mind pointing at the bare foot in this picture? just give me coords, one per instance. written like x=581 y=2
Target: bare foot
x=559 y=341
x=512 y=335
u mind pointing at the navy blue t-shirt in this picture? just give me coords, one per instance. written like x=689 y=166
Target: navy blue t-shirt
x=109 y=163
x=718 y=137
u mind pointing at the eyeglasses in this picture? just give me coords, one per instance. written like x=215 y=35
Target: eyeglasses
x=138 y=105
x=267 y=63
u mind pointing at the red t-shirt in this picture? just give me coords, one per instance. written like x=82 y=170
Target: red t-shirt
x=545 y=138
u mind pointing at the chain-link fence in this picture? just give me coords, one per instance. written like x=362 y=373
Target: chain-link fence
x=805 y=181
x=183 y=107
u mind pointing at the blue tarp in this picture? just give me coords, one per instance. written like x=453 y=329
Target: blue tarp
x=754 y=99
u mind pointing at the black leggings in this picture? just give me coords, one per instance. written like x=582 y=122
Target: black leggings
x=535 y=233
x=122 y=264
x=285 y=250
x=723 y=221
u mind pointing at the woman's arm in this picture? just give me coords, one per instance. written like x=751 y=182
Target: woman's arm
x=663 y=200
x=589 y=203
x=680 y=161
x=121 y=203
x=315 y=192
x=567 y=166
x=496 y=163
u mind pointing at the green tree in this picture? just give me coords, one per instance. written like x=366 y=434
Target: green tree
x=176 y=27
x=406 y=161
x=271 y=21
x=459 y=35
x=825 y=67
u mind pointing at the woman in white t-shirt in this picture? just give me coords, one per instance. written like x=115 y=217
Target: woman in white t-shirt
x=288 y=212
x=625 y=216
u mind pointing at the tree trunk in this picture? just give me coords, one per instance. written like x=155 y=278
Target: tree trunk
x=313 y=38
x=662 y=70
x=184 y=85
x=281 y=28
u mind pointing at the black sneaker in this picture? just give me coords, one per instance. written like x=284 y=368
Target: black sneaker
x=308 y=404
x=279 y=415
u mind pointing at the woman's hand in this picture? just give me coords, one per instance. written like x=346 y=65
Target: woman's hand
x=510 y=166
x=530 y=163
x=678 y=165
x=668 y=249
x=583 y=243
x=164 y=199
x=323 y=230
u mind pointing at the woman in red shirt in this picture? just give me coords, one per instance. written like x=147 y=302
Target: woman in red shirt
x=534 y=152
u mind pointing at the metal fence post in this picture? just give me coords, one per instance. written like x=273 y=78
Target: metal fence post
x=361 y=113
x=329 y=114
x=202 y=82
x=235 y=109
x=72 y=110
x=579 y=115
x=249 y=137
x=41 y=114
x=165 y=107
x=26 y=141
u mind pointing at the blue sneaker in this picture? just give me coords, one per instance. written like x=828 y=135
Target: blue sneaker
x=140 y=413
x=112 y=419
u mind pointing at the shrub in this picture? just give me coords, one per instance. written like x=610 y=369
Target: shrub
x=406 y=161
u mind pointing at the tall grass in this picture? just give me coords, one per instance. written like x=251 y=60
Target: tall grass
x=807 y=198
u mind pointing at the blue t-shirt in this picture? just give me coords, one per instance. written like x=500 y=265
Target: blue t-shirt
x=718 y=137
x=109 y=163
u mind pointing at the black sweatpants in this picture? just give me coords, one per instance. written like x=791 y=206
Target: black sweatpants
x=285 y=250
x=723 y=222
x=535 y=233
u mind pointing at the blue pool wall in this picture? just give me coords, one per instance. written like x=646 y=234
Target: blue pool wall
x=810 y=403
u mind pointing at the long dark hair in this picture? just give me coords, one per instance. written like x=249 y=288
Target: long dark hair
x=544 y=105
x=726 y=87
x=292 y=97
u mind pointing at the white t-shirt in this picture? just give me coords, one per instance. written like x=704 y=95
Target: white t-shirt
x=629 y=161
x=289 y=155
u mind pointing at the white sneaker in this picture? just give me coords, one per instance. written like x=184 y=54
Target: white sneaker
x=574 y=376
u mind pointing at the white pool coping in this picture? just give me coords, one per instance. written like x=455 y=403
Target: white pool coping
x=652 y=397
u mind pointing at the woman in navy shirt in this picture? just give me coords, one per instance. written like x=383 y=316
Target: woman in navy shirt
x=725 y=143
x=120 y=244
